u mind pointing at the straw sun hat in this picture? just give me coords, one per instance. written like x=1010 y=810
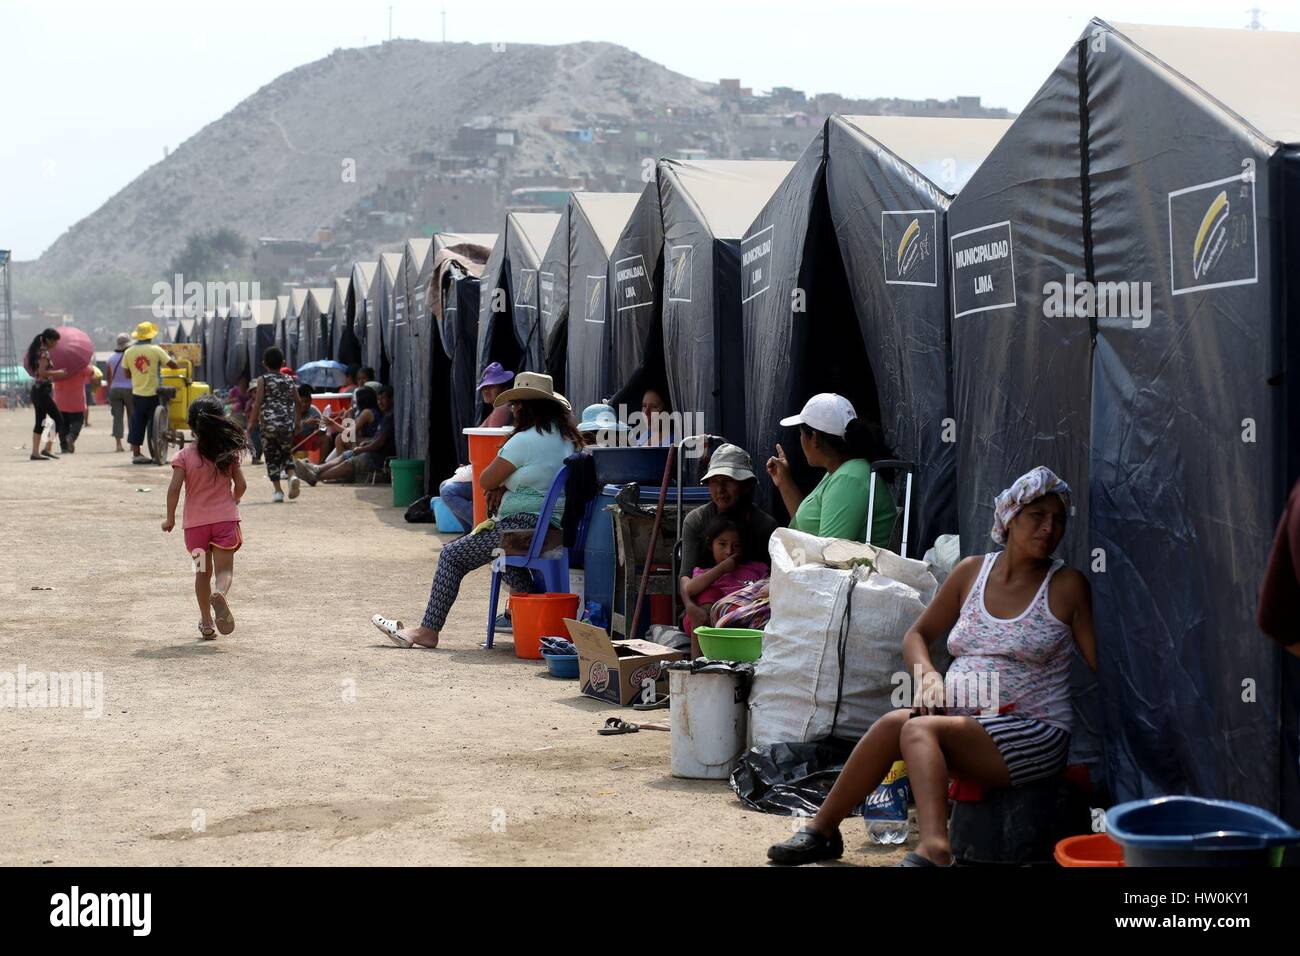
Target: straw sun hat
x=532 y=386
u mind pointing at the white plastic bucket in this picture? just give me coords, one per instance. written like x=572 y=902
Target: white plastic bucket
x=709 y=724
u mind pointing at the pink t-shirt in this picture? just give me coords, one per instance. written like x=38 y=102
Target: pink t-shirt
x=729 y=583
x=209 y=495
x=70 y=392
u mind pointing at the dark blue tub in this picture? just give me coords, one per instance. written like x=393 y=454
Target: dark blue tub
x=1195 y=831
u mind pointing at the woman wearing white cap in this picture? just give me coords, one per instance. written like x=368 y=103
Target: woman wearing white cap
x=119 y=390
x=833 y=437
x=516 y=484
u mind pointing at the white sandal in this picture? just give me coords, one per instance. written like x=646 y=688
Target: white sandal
x=390 y=629
x=207 y=632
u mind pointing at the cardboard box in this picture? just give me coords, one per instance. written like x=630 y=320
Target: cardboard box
x=613 y=670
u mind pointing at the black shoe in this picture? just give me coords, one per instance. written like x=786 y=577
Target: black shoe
x=806 y=846
x=50 y=455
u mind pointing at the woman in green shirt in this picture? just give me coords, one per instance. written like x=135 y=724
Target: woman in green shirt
x=832 y=437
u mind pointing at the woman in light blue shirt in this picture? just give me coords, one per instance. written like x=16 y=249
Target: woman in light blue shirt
x=515 y=485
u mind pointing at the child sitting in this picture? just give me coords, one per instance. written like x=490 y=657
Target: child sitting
x=730 y=572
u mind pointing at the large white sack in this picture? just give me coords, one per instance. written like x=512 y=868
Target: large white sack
x=797 y=678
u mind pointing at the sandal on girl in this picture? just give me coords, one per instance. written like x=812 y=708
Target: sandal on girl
x=390 y=629
x=207 y=632
x=221 y=611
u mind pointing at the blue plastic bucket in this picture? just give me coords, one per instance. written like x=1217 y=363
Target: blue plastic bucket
x=1195 y=831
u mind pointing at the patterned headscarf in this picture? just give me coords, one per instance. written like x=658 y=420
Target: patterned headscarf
x=1033 y=484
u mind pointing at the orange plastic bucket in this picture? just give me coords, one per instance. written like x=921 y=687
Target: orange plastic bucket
x=1090 y=849
x=534 y=616
x=484 y=443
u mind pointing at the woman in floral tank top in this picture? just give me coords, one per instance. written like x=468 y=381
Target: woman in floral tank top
x=1014 y=620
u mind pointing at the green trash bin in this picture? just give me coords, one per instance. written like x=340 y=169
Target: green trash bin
x=408 y=480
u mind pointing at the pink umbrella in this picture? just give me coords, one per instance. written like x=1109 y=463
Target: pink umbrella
x=72 y=352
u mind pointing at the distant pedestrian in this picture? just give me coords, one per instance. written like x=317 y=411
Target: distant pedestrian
x=144 y=362
x=119 y=390
x=44 y=376
x=275 y=409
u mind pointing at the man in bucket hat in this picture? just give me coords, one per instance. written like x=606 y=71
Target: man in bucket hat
x=143 y=362
x=730 y=478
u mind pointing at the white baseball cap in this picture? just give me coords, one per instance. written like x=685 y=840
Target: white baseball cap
x=826 y=412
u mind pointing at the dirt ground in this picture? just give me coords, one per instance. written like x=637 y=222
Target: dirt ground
x=303 y=737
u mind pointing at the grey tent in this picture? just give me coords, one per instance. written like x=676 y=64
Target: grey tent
x=378 y=304
x=844 y=290
x=258 y=333
x=1123 y=313
x=338 y=317
x=185 y=331
x=457 y=262
x=509 y=328
x=364 y=276
x=237 y=342
x=199 y=335
x=574 y=296
x=313 y=325
x=635 y=312
x=397 y=340
x=214 y=347
x=415 y=348
x=291 y=328
x=707 y=208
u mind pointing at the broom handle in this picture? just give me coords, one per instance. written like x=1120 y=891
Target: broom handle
x=654 y=537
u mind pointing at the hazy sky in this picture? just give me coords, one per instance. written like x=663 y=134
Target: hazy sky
x=94 y=89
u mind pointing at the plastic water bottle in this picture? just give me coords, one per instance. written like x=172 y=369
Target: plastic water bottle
x=324 y=415
x=886 y=808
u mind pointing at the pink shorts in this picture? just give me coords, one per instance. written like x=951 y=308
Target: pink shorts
x=224 y=535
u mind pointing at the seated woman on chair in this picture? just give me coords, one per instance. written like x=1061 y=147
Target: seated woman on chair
x=516 y=484
x=1017 y=615
x=833 y=437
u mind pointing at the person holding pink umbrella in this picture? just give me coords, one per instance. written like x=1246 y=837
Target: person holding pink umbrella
x=45 y=375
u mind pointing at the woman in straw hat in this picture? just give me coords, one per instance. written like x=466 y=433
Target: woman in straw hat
x=516 y=484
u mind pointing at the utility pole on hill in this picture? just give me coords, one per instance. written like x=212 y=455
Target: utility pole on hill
x=390 y=21
x=8 y=350
x=444 y=23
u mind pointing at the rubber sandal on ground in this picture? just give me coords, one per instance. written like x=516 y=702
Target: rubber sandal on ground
x=221 y=611
x=806 y=846
x=390 y=629
x=207 y=632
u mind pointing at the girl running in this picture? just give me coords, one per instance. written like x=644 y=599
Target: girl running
x=209 y=471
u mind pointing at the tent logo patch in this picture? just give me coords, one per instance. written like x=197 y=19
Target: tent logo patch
x=631 y=283
x=595 y=300
x=1213 y=235
x=546 y=286
x=527 y=297
x=756 y=264
x=907 y=238
x=983 y=269
x=680 y=267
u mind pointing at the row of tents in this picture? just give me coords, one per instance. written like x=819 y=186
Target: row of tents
x=1100 y=286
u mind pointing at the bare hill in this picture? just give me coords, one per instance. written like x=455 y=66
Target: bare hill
x=274 y=164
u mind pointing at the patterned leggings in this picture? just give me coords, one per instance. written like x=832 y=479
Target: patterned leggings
x=464 y=555
x=278 y=451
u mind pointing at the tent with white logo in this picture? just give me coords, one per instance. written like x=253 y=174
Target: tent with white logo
x=574 y=300
x=844 y=290
x=1124 y=305
x=510 y=328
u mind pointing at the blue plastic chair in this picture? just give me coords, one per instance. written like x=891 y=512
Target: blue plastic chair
x=549 y=574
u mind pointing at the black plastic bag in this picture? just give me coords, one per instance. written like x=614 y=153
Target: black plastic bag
x=790 y=779
x=420 y=511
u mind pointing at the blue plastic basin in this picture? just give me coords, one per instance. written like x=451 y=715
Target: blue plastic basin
x=1196 y=831
x=562 y=665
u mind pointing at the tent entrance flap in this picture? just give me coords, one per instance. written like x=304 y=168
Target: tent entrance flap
x=828 y=353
